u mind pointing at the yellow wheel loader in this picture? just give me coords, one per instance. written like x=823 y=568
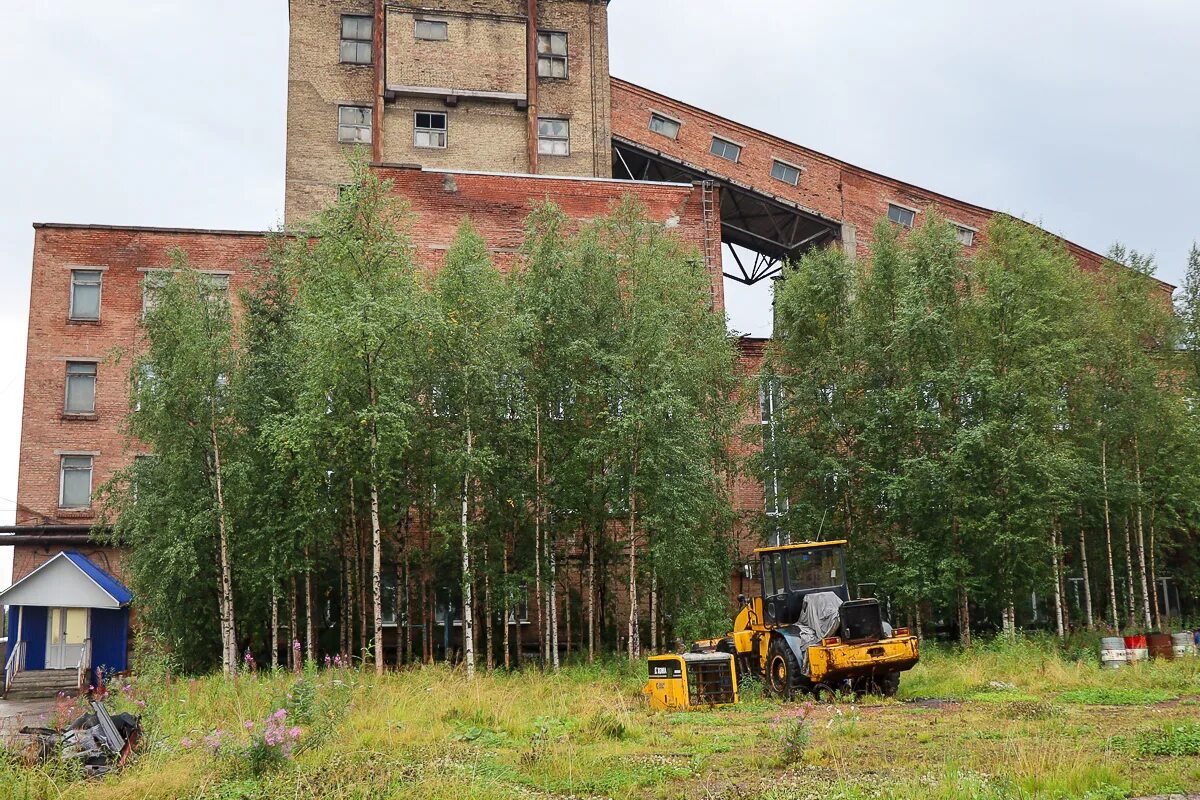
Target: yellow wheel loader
x=804 y=634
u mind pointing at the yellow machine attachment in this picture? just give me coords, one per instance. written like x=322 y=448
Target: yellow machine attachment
x=692 y=680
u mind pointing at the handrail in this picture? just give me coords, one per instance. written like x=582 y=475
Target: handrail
x=85 y=664
x=16 y=660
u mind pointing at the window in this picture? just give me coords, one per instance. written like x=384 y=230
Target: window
x=664 y=126
x=723 y=148
x=432 y=30
x=966 y=236
x=357 y=32
x=782 y=171
x=75 y=482
x=81 y=387
x=85 y=294
x=554 y=137
x=143 y=383
x=813 y=569
x=430 y=129
x=552 y=55
x=354 y=124
x=151 y=283
x=216 y=286
x=901 y=215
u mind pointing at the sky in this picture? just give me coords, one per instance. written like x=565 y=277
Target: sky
x=1080 y=116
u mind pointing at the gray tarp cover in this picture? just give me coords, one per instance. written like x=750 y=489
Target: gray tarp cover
x=820 y=612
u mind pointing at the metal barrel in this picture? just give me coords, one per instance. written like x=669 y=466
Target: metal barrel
x=1136 y=648
x=1112 y=652
x=1160 y=646
x=1197 y=638
x=1183 y=644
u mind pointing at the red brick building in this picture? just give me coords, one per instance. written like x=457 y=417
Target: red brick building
x=510 y=86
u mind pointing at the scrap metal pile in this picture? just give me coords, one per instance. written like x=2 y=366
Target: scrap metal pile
x=98 y=741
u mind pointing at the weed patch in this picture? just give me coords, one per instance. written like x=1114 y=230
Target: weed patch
x=1117 y=697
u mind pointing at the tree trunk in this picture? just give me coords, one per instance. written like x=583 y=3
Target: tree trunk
x=274 y=624
x=506 y=636
x=1058 y=598
x=1141 y=537
x=1087 y=578
x=591 y=598
x=229 y=657
x=1158 y=621
x=1112 y=572
x=376 y=539
x=654 y=612
x=293 y=627
x=310 y=626
x=964 y=618
x=634 y=645
x=1131 y=596
x=488 y=644
x=468 y=615
x=537 y=532
x=553 y=591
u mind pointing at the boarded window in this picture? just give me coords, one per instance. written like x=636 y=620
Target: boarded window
x=901 y=215
x=665 y=126
x=75 y=482
x=552 y=54
x=430 y=129
x=554 y=137
x=354 y=124
x=357 y=33
x=723 y=148
x=432 y=30
x=81 y=387
x=782 y=171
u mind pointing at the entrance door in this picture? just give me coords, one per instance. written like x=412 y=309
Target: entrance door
x=64 y=639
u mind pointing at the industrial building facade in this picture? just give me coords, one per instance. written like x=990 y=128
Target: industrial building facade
x=477 y=108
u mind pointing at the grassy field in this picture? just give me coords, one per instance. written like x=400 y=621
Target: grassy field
x=1016 y=721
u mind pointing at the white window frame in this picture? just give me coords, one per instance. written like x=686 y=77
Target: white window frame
x=551 y=58
x=62 y=473
x=418 y=130
x=914 y=211
x=444 y=27
x=79 y=362
x=542 y=138
x=779 y=162
x=75 y=281
x=727 y=143
x=355 y=126
x=358 y=43
x=965 y=233
x=658 y=115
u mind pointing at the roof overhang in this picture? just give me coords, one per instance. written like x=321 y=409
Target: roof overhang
x=67 y=581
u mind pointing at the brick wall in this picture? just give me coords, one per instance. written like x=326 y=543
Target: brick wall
x=485 y=52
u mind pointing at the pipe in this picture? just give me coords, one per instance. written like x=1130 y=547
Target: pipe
x=531 y=92
x=377 y=40
x=18 y=540
x=51 y=529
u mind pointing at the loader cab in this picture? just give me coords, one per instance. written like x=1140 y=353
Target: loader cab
x=790 y=572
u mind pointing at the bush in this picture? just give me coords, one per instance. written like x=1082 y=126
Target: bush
x=1175 y=740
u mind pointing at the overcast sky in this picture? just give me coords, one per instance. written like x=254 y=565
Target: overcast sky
x=1082 y=116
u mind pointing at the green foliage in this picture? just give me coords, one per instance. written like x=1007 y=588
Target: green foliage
x=1173 y=740
x=1117 y=697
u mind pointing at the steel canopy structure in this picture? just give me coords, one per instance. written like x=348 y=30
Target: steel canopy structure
x=774 y=230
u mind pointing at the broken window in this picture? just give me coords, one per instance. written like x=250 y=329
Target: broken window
x=554 y=137
x=901 y=215
x=81 y=387
x=664 y=126
x=432 y=30
x=552 y=54
x=357 y=32
x=782 y=171
x=85 y=294
x=430 y=129
x=354 y=124
x=723 y=148
x=75 y=482
x=966 y=236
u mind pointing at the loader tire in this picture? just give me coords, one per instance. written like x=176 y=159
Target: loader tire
x=888 y=684
x=783 y=670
